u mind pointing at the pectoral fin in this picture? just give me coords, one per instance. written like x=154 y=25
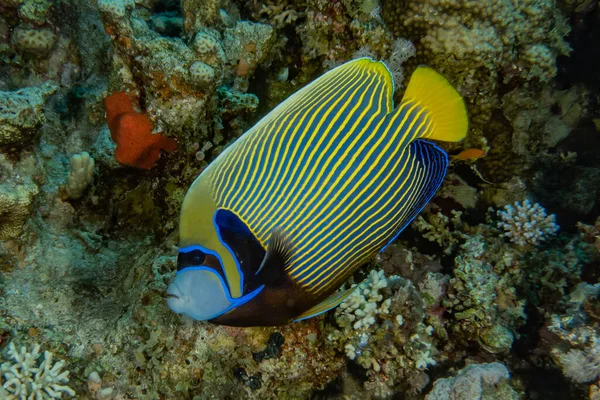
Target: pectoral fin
x=329 y=303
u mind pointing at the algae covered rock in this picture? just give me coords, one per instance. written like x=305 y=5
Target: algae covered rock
x=248 y=45
x=34 y=41
x=21 y=112
x=475 y=382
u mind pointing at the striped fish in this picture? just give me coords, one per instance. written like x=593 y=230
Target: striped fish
x=272 y=228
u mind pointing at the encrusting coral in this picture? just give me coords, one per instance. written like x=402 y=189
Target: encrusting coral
x=21 y=112
x=36 y=41
x=479 y=44
x=26 y=378
x=15 y=205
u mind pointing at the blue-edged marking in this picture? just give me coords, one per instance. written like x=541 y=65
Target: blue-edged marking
x=234 y=302
x=237 y=263
x=214 y=253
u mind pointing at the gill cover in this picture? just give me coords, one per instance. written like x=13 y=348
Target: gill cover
x=199 y=289
x=199 y=293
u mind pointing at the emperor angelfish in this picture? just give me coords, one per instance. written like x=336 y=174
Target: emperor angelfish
x=283 y=217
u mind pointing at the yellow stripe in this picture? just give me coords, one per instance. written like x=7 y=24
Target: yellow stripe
x=351 y=216
x=229 y=165
x=357 y=169
x=272 y=212
x=361 y=228
x=295 y=201
x=280 y=178
x=367 y=239
x=360 y=217
x=248 y=180
x=382 y=239
x=306 y=147
x=269 y=132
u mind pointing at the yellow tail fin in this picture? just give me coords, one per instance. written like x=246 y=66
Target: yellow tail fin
x=446 y=106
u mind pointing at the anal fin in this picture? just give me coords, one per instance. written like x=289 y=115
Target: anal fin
x=329 y=303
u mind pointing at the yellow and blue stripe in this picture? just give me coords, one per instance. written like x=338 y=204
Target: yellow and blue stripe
x=337 y=169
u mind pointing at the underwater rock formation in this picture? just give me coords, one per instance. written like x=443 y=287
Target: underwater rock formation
x=21 y=112
x=475 y=382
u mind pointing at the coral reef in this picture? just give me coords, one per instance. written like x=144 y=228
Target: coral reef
x=463 y=296
x=382 y=327
x=436 y=228
x=480 y=45
x=15 y=205
x=482 y=297
x=27 y=378
x=36 y=41
x=582 y=359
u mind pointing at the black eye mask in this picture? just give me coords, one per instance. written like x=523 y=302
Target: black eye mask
x=245 y=247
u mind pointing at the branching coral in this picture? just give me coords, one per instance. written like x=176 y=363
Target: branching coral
x=482 y=299
x=446 y=232
x=381 y=326
x=582 y=365
x=361 y=307
x=581 y=362
x=526 y=223
x=27 y=378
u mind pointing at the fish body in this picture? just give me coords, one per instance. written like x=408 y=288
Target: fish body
x=273 y=227
x=469 y=155
x=137 y=146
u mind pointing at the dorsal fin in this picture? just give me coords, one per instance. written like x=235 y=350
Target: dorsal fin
x=444 y=105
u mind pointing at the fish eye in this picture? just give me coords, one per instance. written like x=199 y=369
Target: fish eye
x=191 y=259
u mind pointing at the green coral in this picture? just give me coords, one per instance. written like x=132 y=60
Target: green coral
x=15 y=206
x=482 y=296
x=35 y=11
x=22 y=112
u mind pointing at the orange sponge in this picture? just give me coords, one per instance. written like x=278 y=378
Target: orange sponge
x=132 y=132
